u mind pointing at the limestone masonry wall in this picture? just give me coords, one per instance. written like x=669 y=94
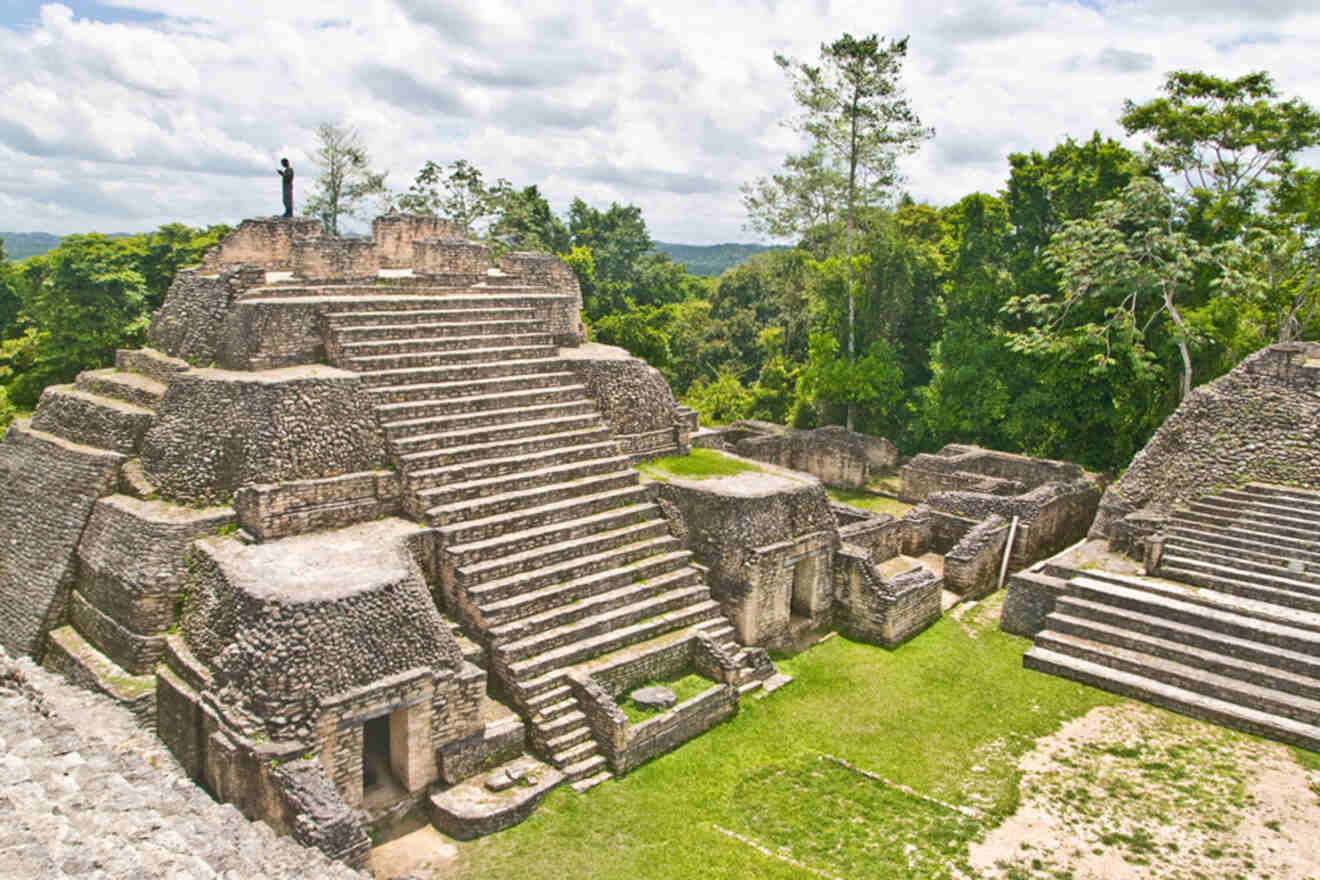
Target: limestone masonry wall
x=276 y=510
x=837 y=456
x=217 y=431
x=1260 y=421
x=395 y=233
x=189 y=323
x=633 y=397
x=50 y=487
x=266 y=240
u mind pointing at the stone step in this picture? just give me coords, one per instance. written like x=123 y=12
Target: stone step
x=588 y=648
x=571 y=754
x=1258 y=514
x=464 y=373
x=1222 y=519
x=561 y=723
x=482 y=506
x=1247 y=504
x=454 y=422
x=585 y=763
x=465 y=436
x=462 y=401
x=1174 y=698
x=498 y=450
x=468 y=531
x=128 y=387
x=582 y=786
x=1299 y=633
x=1244 y=538
x=370 y=310
x=552 y=703
x=572 y=573
x=421 y=328
x=506 y=616
x=443 y=397
x=429 y=478
x=499 y=487
x=1254 y=554
x=474 y=357
x=385 y=345
x=1237 y=583
x=1291 y=494
x=565 y=741
x=604 y=620
x=1267 y=573
x=92 y=420
x=555 y=534
x=1250 y=661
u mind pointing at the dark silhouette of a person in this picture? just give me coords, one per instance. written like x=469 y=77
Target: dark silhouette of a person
x=286 y=172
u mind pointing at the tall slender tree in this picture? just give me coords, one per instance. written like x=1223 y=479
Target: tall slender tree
x=859 y=122
x=345 y=182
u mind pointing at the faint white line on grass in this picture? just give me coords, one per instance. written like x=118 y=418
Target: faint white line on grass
x=765 y=850
x=970 y=812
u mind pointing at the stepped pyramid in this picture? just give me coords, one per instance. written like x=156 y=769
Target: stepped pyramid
x=362 y=522
x=1222 y=619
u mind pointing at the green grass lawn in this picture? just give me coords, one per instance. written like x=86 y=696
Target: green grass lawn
x=699 y=464
x=947 y=714
x=867 y=501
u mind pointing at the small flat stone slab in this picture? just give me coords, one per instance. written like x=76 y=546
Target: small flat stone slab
x=506 y=777
x=654 y=697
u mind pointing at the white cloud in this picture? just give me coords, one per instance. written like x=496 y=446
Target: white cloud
x=125 y=125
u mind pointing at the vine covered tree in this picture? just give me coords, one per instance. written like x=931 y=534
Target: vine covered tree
x=859 y=122
x=345 y=184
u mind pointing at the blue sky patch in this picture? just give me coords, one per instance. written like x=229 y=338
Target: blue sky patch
x=23 y=14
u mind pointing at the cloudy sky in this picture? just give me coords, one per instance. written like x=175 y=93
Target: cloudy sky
x=121 y=115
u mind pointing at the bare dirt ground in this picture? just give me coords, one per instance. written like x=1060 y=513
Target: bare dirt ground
x=1128 y=791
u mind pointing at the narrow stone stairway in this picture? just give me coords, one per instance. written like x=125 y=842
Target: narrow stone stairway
x=1227 y=630
x=556 y=557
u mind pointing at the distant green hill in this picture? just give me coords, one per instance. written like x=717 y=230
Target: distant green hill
x=712 y=259
x=20 y=245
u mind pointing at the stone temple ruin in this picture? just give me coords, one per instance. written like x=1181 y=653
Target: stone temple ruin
x=359 y=533
x=1198 y=588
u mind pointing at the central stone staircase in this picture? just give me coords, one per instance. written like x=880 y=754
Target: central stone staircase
x=1227 y=629
x=553 y=557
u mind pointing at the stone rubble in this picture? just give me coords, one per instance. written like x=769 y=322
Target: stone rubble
x=86 y=793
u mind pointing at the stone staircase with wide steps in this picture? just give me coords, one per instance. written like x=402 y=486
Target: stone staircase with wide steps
x=548 y=536
x=1228 y=627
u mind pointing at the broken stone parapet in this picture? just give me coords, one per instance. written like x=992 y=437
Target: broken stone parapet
x=395 y=233
x=277 y=510
x=268 y=241
x=835 y=455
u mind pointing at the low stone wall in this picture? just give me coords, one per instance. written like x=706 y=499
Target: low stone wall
x=835 y=455
x=971 y=568
x=953 y=467
x=217 y=431
x=1259 y=422
x=335 y=258
x=884 y=537
x=50 y=487
x=450 y=256
x=1029 y=599
x=628 y=746
x=265 y=241
x=277 y=510
x=871 y=609
x=267 y=333
x=395 y=233
x=498 y=742
x=1051 y=517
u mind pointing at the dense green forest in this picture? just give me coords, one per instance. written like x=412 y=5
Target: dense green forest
x=712 y=259
x=1064 y=315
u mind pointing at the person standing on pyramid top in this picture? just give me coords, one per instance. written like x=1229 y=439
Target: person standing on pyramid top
x=286 y=172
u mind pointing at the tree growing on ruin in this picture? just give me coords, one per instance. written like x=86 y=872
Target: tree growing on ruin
x=859 y=122
x=345 y=184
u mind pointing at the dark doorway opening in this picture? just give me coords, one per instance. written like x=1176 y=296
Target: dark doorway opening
x=376 y=753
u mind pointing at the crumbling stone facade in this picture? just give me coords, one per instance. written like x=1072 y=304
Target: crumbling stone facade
x=833 y=454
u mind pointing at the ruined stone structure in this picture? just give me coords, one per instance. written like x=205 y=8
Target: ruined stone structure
x=837 y=456
x=359 y=529
x=1199 y=589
